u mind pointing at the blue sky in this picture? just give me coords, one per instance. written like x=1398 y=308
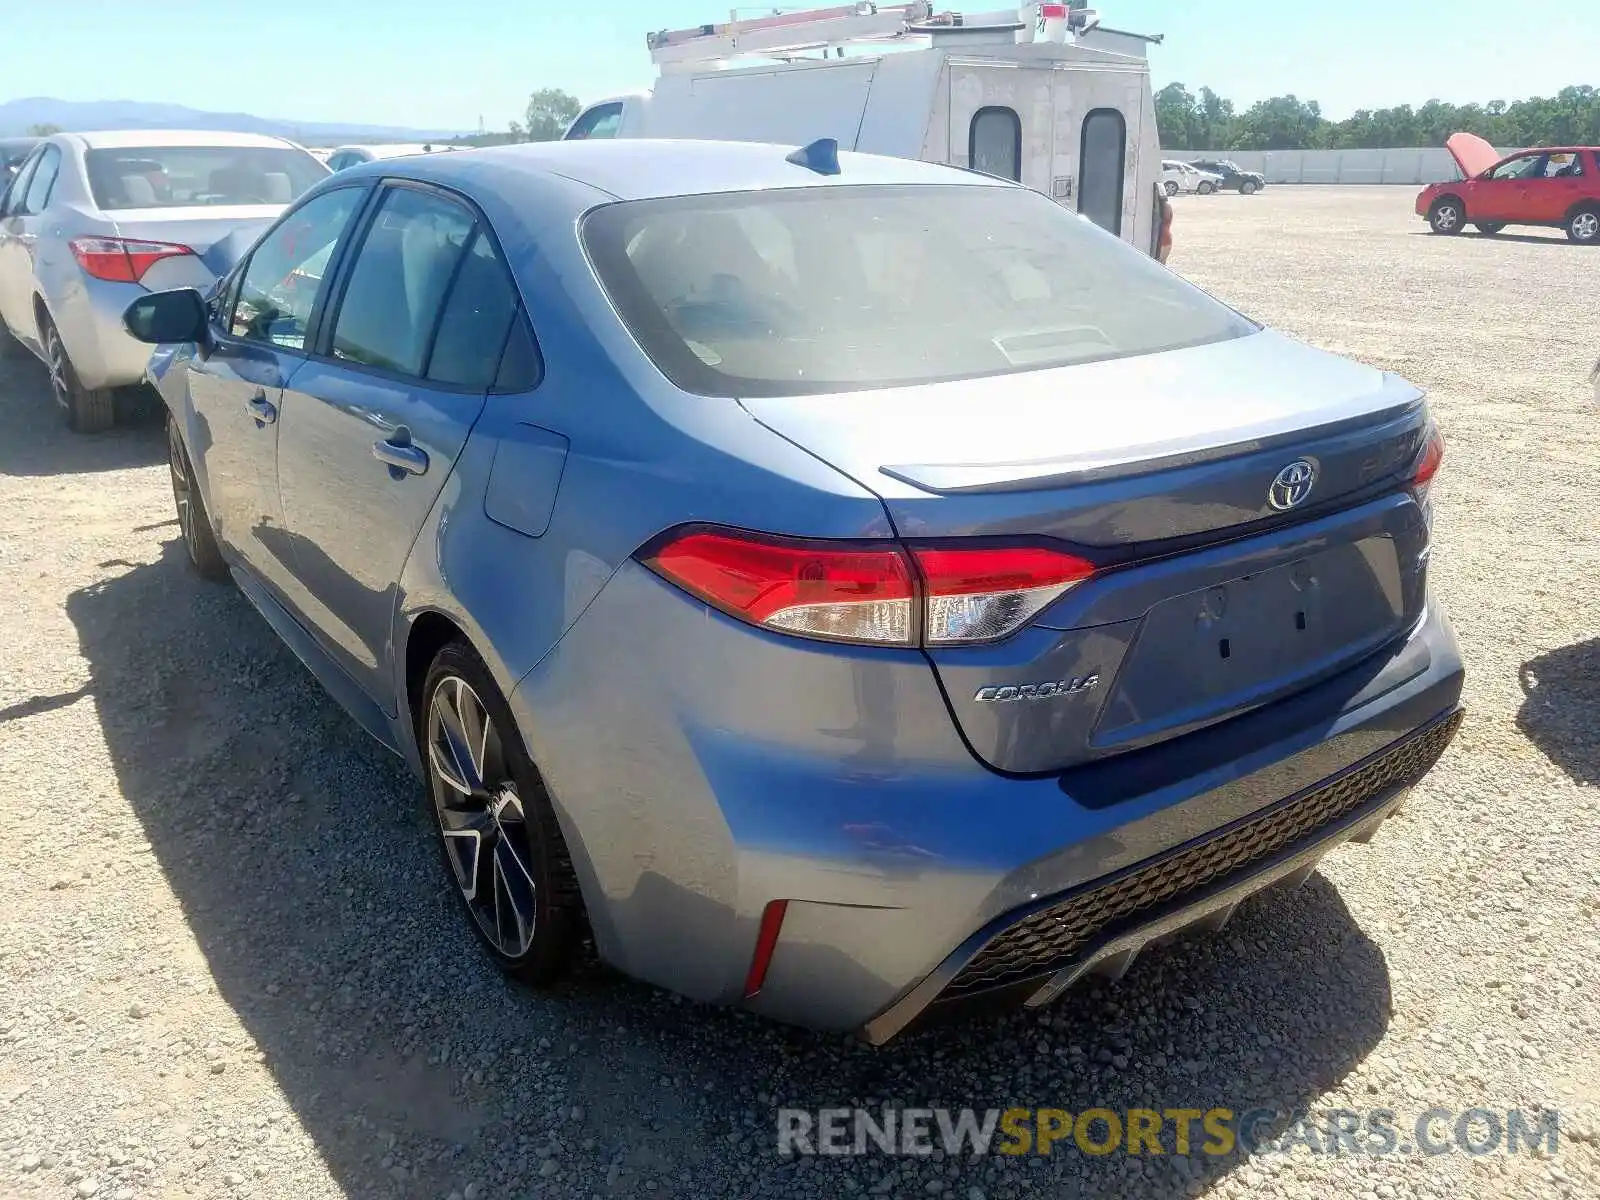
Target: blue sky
x=426 y=64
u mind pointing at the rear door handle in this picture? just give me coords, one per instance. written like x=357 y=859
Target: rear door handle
x=262 y=410
x=399 y=453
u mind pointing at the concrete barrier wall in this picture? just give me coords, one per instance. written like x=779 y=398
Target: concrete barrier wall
x=1417 y=165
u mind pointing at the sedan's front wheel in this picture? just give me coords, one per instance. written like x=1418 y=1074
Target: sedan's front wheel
x=497 y=829
x=1206 y=187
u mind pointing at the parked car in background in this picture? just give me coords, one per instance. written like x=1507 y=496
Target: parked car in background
x=1232 y=177
x=12 y=152
x=843 y=584
x=93 y=220
x=1556 y=187
x=1179 y=176
x=350 y=156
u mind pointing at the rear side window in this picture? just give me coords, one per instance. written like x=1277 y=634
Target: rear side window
x=191 y=176
x=42 y=183
x=994 y=143
x=402 y=271
x=814 y=290
x=601 y=121
x=472 y=329
x=1100 y=168
x=284 y=276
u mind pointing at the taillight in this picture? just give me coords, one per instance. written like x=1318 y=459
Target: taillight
x=121 y=260
x=868 y=592
x=846 y=592
x=977 y=594
x=1428 y=463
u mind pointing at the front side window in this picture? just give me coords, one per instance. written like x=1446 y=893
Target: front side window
x=601 y=121
x=1528 y=166
x=994 y=143
x=1101 y=164
x=285 y=274
x=815 y=290
x=42 y=183
x=199 y=176
x=402 y=270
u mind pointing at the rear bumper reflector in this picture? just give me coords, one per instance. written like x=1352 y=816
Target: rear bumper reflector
x=766 y=942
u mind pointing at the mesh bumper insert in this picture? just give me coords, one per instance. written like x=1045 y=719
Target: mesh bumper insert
x=1046 y=940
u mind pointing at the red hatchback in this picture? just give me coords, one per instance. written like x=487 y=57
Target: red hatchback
x=1554 y=186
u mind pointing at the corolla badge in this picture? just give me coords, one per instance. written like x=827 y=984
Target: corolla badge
x=1292 y=485
x=1048 y=690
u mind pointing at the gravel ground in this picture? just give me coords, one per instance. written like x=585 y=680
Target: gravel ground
x=231 y=968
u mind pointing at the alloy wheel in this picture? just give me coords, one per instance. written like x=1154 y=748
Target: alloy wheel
x=1586 y=226
x=1446 y=218
x=182 y=488
x=487 y=839
x=56 y=362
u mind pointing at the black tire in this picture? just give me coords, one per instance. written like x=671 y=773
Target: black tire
x=1249 y=187
x=194 y=522
x=1170 y=188
x=1583 y=226
x=86 y=411
x=1205 y=187
x=505 y=806
x=1447 y=216
x=1489 y=228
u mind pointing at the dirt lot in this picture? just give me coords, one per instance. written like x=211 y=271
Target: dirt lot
x=229 y=965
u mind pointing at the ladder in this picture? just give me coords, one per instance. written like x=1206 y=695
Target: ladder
x=786 y=33
x=783 y=34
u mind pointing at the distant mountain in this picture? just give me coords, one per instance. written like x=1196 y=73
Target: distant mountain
x=17 y=115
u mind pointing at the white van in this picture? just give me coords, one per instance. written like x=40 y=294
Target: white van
x=1075 y=122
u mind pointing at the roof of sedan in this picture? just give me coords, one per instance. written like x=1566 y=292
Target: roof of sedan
x=639 y=168
x=119 y=139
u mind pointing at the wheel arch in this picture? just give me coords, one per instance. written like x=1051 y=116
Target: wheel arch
x=1443 y=196
x=1587 y=204
x=426 y=634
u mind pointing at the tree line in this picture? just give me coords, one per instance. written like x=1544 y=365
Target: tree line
x=1208 y=122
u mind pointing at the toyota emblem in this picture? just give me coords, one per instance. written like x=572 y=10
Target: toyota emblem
x=1292 y=485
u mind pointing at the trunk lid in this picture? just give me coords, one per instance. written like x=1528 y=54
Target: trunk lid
x=1212 y=598
x=1472 y=154
x=217 y=234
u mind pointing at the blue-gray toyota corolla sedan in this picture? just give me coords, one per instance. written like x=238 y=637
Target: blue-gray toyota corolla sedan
x=842 y=587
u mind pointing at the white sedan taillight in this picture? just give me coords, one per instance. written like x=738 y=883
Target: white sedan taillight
x=121 y=260
x=868 y=592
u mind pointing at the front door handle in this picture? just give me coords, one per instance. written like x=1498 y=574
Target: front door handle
x=262 y=410
x=400 y=454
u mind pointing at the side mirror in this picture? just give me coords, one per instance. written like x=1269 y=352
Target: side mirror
x=175 y=316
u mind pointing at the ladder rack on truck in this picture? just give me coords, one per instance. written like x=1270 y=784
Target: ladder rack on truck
x=784 y=34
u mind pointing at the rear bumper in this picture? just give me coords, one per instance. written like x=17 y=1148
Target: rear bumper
x=748 y=767
x=1031 y=955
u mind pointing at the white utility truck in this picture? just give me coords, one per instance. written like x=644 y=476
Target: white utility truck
x=1021 y=93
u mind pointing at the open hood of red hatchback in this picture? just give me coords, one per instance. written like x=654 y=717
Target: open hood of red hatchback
x=1472 y=154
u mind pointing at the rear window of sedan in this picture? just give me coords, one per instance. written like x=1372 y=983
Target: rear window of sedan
x=197 y=176
x=829 y=289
